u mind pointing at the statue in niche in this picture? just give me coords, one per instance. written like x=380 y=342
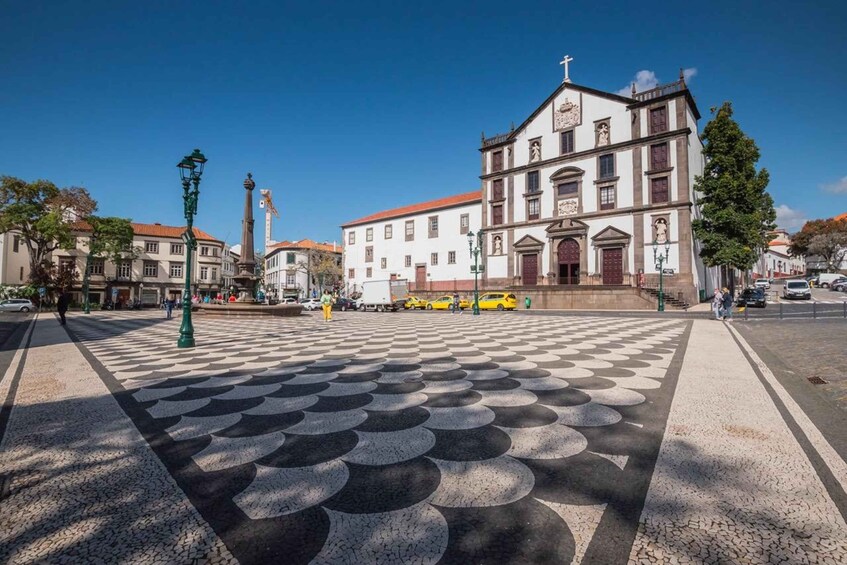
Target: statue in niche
x=566 y=115
x=603 y=134
x=661 y=230
x=497 y=244
x=535 y=151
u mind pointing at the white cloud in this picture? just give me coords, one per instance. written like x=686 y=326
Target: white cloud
x=790 y=219
x=645 y=80
x=837 y=187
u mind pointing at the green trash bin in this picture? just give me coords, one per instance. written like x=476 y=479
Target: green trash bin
x=702 y=295
x=527 y=302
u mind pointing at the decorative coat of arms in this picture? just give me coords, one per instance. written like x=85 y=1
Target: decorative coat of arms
x=568 y=207
x=566 y=115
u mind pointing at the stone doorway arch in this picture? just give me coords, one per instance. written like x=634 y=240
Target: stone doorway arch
x=568 y=257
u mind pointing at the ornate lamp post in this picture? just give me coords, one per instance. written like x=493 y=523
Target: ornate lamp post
x=660 y=261
x=190 y=169
x=476 y=269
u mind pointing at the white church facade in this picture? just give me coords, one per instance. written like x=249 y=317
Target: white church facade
x=577 y=195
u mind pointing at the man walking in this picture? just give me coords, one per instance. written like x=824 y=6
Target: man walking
x=727 y=305
x=169 y=307
x=62 y=305
x=456 y=303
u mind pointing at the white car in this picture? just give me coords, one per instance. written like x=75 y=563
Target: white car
x=763 y=283
x=797 y=289
x=310 y=304
x=17 y=305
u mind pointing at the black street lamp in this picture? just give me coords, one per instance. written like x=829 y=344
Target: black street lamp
x=190 y=169
x=660 y=261
x=476 y=269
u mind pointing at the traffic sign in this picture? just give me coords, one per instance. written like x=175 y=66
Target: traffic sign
x=42 y=291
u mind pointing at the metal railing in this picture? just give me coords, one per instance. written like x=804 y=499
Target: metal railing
x=660 y=91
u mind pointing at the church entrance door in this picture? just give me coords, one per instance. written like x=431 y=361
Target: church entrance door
x=613 y=266
x=529 y=269
x=420 y=277
x=568 y=256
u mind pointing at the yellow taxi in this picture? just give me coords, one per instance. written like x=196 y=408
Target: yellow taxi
x=446 y=303
x=413 y=302
x=498 y=301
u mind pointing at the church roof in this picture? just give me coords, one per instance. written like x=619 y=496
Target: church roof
x=153 y=230
x=305 y=244
x=446 y=202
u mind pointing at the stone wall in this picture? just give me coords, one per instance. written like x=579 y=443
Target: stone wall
x=571 y=298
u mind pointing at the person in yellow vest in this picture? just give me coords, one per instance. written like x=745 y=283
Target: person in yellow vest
x=326 y=304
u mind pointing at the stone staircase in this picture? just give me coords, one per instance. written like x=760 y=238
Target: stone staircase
x=671 y=301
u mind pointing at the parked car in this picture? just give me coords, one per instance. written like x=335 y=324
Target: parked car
x=344 y=304
x=414 y=302
x=498 y=301
x=825 y=279
x=288 y=300
x=446 y=303
x=797 y=288
x=17 y=305
x=753 y=297
x=310 y=304
x=763 y=283
x=838 y=284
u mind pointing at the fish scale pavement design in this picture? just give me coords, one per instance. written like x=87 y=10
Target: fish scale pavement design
x=412 y=438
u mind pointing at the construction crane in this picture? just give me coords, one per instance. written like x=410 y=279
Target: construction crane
x=268 y=204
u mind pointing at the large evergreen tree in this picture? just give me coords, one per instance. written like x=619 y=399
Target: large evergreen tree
x=737 y=211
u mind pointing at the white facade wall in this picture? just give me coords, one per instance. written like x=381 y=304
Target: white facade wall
x=394 y=250
x=14 y=259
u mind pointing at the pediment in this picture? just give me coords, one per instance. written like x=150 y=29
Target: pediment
x=565 y=172
x=567 y=226
x=528 y=242
x=611 y=234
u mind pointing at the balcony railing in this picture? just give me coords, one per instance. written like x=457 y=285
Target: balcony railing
x=660 y=91
x=499 y=138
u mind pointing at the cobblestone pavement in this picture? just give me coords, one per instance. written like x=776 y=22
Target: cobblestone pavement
x=401 y=438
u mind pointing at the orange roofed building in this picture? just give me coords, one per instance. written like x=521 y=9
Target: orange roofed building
x=155 y=270
x=300 y=269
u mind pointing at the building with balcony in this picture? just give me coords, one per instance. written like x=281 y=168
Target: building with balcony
x=300 y=269
x=155 y=271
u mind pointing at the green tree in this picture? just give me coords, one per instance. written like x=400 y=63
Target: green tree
x=44 y=215
x=825 y=238
x=111 y=239
x=737 y=211
x=322 y=267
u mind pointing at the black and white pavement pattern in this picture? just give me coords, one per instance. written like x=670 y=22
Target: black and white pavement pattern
x=402 y=438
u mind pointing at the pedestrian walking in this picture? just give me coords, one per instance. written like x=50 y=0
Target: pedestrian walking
x=456 y=303
x=717 y=303
x=727 y=305
x=169 y=308
x=326 y=304
x=62 y=305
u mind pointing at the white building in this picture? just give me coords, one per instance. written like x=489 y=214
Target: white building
x=776 y=262
x=426 y=243
x=14 y=259
x=291 y=268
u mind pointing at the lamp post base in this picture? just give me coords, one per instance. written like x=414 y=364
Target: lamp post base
x=185 y=342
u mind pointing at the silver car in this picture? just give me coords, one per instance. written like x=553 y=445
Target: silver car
x=17 y=305
x=797 y=289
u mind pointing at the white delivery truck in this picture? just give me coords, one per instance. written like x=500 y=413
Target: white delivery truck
x=384 y=295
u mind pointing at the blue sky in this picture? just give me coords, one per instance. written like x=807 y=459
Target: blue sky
x=347 y=108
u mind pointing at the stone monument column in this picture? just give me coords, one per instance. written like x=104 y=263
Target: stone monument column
x=246 y=277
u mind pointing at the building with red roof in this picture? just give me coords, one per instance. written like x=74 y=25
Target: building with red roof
x=299 y=269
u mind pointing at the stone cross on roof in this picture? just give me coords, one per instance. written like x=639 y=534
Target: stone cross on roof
x=565 y=62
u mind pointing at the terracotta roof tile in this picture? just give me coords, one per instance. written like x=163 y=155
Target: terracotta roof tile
x=841 y=216
x=154 y=230
x=306 y=244
x=446 y=202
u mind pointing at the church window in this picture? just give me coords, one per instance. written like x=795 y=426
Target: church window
x=433 y=258
x=658 y=156
x=659 y=190
x=497 y=190
x=497 y=161
x=464 y=223
x=568 y=189
x=659 y=120
x=451 y=257
x=607 y=166
x=408 y=262
x=410 y=230
x=567 y=142
x=532 y=181
x=607 y=197
x=497 y=214
x=533 y=209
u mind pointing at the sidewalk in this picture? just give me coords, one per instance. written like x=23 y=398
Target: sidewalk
x=84 y=485
x=732 y=483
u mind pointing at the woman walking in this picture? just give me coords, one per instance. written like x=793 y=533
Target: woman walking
x=717 y=303
x=727 y=305
x=326 y=304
